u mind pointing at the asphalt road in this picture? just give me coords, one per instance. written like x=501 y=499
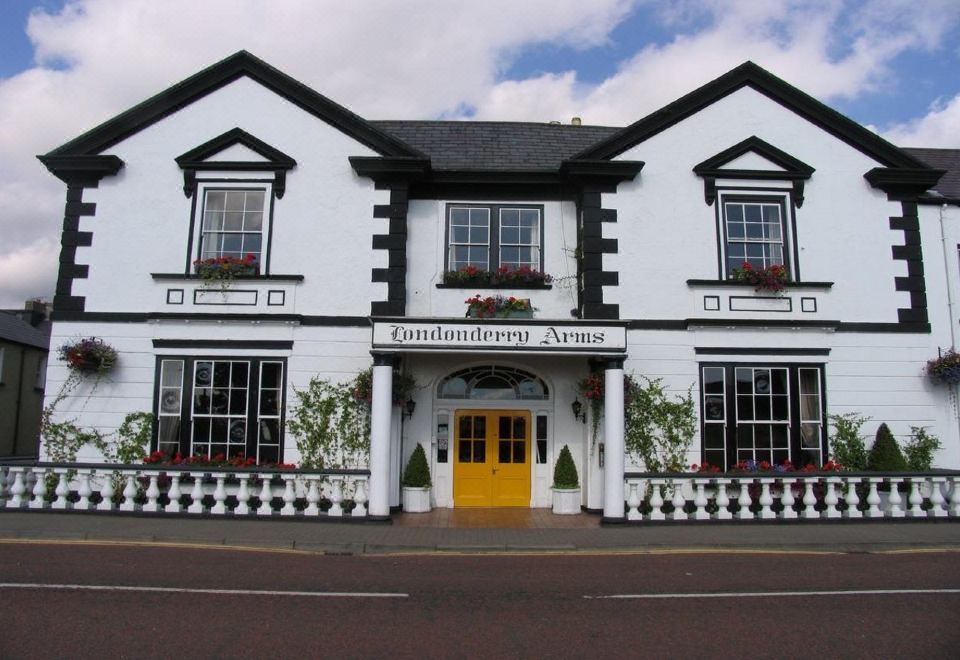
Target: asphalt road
x=68 y=600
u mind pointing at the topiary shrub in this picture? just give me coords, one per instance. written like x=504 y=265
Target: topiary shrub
x=565 y=471
x=417 y=474
x=885 y=455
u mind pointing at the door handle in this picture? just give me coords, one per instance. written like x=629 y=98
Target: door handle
x=494 y=470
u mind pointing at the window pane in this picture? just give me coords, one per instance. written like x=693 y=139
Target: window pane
x=504 y=451
x=504 y=430
x=713 y=407
x=233 y=221
x=519 y=428
x=734 y=212
x=479 y=451
x=465 y=451
x=752 y=213
x=713 y=436
x=519 y=451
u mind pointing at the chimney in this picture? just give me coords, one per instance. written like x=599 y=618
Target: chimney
x=35 y=312
x=575 y=121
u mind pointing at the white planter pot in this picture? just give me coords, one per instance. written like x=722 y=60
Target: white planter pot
x=566 y=501
x=416 y=500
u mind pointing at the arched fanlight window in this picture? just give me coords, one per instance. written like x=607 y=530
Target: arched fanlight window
x=492 y=384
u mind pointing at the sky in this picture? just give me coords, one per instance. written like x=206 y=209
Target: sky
x=68 y=65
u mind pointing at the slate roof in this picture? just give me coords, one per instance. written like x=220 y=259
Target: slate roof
x=942 y=159
x=495 y=146
x=18 y=331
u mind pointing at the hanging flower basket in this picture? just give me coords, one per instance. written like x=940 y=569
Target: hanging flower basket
x=88 y=356
x=945 y=368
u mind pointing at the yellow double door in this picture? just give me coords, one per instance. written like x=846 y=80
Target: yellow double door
x=491 y=458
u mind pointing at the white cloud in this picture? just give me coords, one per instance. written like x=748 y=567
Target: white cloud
x=939 y=128
x=417 y=59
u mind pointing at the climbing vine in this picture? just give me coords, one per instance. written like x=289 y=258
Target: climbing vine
x=657 y=429
x=331 y=425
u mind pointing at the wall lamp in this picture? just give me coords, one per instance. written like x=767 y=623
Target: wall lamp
x=409 y=407
x=578 y=411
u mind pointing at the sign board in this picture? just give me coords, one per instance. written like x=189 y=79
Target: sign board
x=478 y=335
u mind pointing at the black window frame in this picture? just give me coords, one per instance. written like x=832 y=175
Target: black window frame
x=494 y=244
x=730 y=411
x=253 y=399
x=788 y=224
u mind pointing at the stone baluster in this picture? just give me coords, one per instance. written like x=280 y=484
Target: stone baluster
x=700 y=500
x=954 y=505
x=39 y=500
x=152 y=504
x=895 y=501
x=84 y=491
x=266 y=496
x=873 y=498
x=289 y=497
x=174 y=494
x=809 y=499
x=656 y=499
x=830 y=498
x=360 y=497
x=744 y=500
x=220 y=495
x=106 y=491
x=19 y=487
x=937 y=502
x=788 y=499
x=915 y=500
x=633 y=501
x=129 y=493
x=336 y=497
x=62 y=489
x=243 y=495
x=313 y=497
x=678 y=500
x=4 y=486
x=766 y=499
x=852 y=499
x=723 y=500
x=196 y=493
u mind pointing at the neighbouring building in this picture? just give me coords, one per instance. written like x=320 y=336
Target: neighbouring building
x=353 y=224
x=24 y=342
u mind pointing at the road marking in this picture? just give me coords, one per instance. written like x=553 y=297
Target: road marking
x=780 y=594
x=183 y=590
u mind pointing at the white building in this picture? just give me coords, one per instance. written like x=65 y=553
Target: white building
x=353 y=224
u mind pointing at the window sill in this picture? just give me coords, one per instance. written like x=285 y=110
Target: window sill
x=495 y=286
x=254 y=278
x=736 y=284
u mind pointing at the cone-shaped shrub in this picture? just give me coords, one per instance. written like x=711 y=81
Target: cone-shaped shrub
x=885 y=455
x=417 y=474
x=565 y=471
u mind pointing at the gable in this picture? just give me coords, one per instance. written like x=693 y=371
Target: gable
x=750 y=75
x=751 y=161
x=236 y=153
x=239 y=65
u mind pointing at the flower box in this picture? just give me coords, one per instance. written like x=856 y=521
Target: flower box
x=499 y=307
x=771 y=278
x=502 y=277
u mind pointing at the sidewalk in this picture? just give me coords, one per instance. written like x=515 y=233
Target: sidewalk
x=409 y=535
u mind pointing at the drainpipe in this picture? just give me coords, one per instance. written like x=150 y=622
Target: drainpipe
x=949 y=278
x=19 y=403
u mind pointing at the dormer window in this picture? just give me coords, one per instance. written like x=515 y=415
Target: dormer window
x=754 y=231
x=233 y=223
x=491 y=236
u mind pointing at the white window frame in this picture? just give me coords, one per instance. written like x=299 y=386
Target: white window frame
x=205 y=186
x=748 y=197
x=494 y=244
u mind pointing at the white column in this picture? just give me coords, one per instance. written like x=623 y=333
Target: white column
x=381 y=408
x=613 y=488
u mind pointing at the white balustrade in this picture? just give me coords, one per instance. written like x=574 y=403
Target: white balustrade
x=155 y=490
x=830 y=496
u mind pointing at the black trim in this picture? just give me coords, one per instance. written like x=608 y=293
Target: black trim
x=592 y=246
x=739 y=350
x=794 y=169
x=274 y=292
x=395 y=244
x=473 y=321
x=278 y=345
x=804 y=300
x=144 y=317
x=197 y=159
x=384 y=359
x=911 y=252
x=218 y=75
x=172 y=300
x=903 y=183
x=223 y=293
x=71 y=237
x=86 y=170
x=736 y=283
x=789 y=300
x=194 y=276
x=750 y=75
x=713 y=300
